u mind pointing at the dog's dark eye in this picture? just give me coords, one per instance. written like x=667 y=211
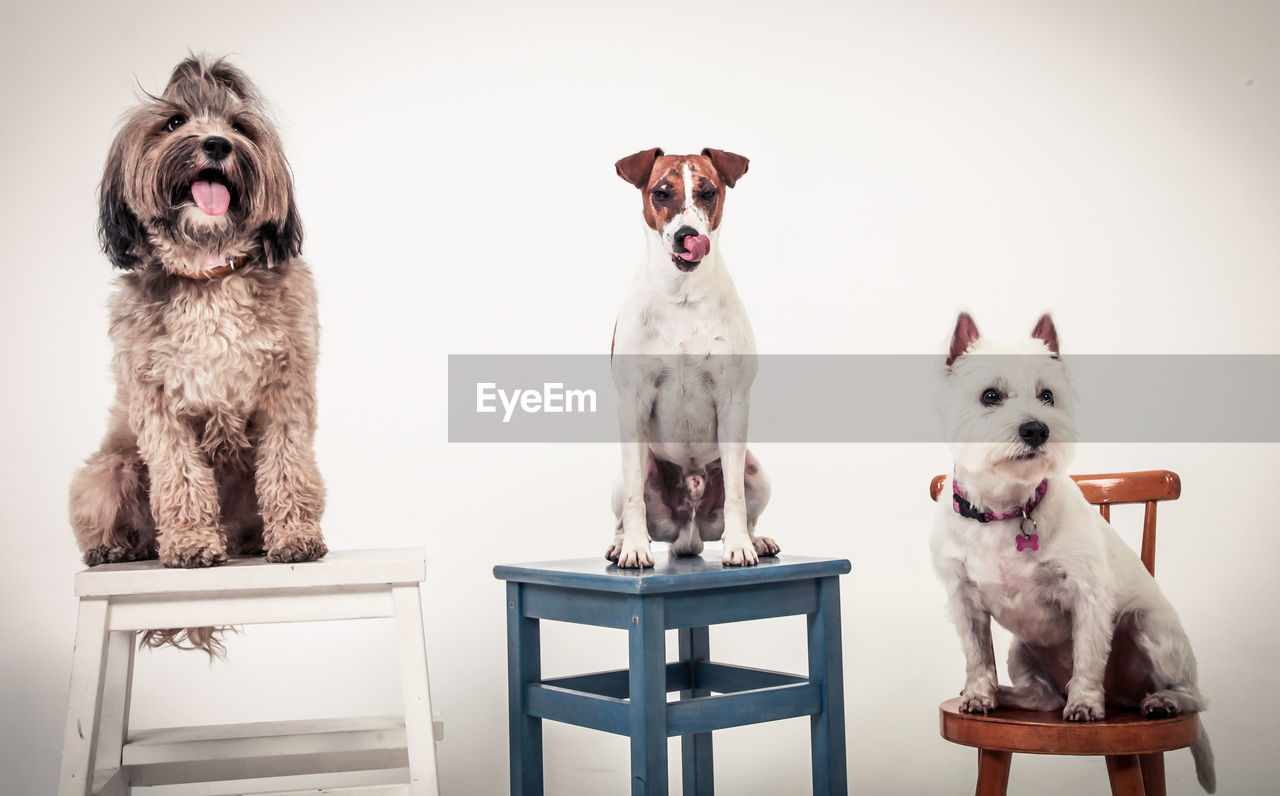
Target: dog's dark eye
x=1046 y=397
x=991 y=397
x=660 y=195
x=237 y=128
x=708 y=195
x=175 y=122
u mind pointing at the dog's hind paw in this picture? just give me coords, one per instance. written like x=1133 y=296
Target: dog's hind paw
x=1160 y=705
x=1084 y=711
x=766 y=546
x=973 y=702
x=106 y=554
x=1037 y=696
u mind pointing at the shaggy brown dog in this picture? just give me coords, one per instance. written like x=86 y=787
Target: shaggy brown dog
x=209 y=445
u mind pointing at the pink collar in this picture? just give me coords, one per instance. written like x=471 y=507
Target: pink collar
x=1027 y=538
x=966 y=509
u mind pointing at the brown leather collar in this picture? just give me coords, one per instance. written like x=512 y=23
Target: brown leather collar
x=231 y=264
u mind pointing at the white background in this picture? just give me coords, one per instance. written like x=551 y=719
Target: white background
x=1113 y=162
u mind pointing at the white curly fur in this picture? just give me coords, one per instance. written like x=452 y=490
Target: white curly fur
x=1084 y=592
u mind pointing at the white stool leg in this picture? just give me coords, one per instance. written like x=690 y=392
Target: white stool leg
x=117 y=694
x=414 y=684
x=84 y=703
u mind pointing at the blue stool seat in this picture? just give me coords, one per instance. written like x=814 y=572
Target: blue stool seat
x=688 y=595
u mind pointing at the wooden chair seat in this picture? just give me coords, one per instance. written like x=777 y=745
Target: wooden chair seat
x=1123 y=732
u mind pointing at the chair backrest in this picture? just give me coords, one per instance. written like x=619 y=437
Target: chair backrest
x=1109 y=489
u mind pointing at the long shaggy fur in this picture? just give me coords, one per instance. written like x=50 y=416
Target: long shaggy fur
x=209 y=443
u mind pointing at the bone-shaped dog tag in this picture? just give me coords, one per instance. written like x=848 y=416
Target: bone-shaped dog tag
x=1028 y=539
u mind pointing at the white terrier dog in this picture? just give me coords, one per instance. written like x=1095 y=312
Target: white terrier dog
x=1018 y=541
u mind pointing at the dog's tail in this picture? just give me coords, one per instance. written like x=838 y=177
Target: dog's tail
x=1202 y=753
x=206 y=639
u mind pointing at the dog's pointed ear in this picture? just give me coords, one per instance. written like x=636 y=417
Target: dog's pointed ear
x=119 y=230
x=282 y=240
x=1047 y=333
x=965 y=335
x=636 y=168
x=730 y=166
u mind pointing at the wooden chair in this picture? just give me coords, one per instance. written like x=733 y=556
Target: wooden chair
x=1134 y=746
x=102 y=755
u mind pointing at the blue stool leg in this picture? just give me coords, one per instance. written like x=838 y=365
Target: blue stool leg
x=695 y=646
x=648 y=695
x=830 y=773
x=524 y=665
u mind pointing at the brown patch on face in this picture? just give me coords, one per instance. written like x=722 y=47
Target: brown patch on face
x=665 y=195
x=660 y=178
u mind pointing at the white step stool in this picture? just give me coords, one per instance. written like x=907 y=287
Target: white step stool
x=100 y=756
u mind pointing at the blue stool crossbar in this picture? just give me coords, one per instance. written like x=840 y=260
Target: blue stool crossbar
x=688 y=595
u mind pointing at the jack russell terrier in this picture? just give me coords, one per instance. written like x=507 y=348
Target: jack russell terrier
x=683 y=360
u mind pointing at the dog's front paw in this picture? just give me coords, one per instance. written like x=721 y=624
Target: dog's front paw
x=296 y=549
x=1084 y=710
x=630 y=556
x=209 y=550
x=766 y=546
x=974 y=701
x=740 y=554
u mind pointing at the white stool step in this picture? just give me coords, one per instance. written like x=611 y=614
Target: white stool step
x=116 y=600
x=265 y=749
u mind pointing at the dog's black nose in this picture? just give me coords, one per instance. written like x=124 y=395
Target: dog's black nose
x=682 y=233
x=216 y=147
x=1034 y=433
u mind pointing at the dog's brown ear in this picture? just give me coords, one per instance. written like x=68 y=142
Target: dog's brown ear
x=119 y=230
x=730 y=166
x=965 y=335
x=636 y=168
x=1046 y=333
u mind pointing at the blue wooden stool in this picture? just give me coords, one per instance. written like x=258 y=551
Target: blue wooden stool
x=686 y=594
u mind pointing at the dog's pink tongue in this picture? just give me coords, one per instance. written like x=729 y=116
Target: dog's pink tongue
x=211 y=197
x=696 y=247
